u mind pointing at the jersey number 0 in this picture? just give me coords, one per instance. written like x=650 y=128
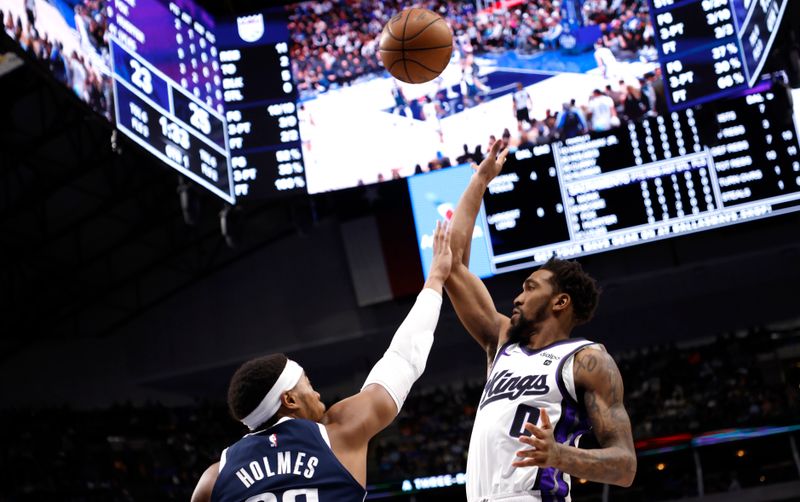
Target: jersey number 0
x=523 y=415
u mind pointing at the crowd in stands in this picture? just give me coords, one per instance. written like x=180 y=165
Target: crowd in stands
x=77 y=69
x=154 y=452
x=606 y=108
x=336 y=42
x=734 y=381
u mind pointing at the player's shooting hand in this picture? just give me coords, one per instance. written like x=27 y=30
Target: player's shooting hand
x=493 y=163
x=545 y=452
x=442 y=255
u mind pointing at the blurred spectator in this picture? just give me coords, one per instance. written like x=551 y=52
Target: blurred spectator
x=634 y=105
x=571 y=121
x=602 y=113
x=78 y=71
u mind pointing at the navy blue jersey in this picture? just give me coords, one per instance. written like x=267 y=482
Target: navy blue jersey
x=288 y=462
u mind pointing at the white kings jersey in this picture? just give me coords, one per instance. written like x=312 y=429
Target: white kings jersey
x=521 y=382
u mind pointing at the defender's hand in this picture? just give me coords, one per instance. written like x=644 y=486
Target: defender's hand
x=442 y=255
x=545 y=451
x=493 y=163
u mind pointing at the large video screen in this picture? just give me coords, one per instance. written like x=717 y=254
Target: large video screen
x=168 y=87
x=70 y=38
x=295 y=99
x=527 y=70
x=713 y=48
x=654 y=179
x=149 y=66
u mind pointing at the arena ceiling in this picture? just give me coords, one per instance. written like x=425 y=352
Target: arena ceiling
x=92 y=234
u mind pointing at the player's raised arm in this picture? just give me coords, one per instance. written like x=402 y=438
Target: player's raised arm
x=614 y=462
x=471 y=299
x=355 y=420
x=202 y=492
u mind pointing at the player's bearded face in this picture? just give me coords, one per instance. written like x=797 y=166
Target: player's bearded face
x=522 y=327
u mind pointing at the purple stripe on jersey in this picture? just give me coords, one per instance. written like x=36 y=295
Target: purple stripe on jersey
x=547 y=484
x=570 y=426
x=566 y=425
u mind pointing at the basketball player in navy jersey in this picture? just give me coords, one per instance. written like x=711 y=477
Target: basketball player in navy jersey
x=544 y=389
x=297 y=451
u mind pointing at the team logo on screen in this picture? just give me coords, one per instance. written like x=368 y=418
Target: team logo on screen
x=568 y=41
x=251 y=28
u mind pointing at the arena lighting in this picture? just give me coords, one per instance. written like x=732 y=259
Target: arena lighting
x=728 y=435
x=664 y=441
x=190 y=207
x=666 y=449
x=661 y=466
x=230 y=225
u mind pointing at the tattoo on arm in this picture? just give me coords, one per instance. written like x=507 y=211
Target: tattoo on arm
x=615 y=461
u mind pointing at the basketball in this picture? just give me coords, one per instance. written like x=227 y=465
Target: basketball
x=415 y=45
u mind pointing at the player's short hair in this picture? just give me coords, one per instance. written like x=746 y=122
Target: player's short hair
x=569 y=277
x=251 y=382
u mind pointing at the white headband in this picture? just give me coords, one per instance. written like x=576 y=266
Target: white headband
x=272 y=401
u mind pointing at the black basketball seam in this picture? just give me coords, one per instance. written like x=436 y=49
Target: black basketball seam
x=426 y=67
x=403 y=45
x=418 y=49
x=389 y=31
x=420 y=31
x=392 y=65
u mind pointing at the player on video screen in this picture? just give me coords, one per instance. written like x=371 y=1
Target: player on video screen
x=298 y=448
x=545 y=389
x=522 y=105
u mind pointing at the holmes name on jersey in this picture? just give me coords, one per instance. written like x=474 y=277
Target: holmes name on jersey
x=282 y=465
x=504 y=385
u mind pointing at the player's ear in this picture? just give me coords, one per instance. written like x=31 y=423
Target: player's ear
x=561 y=302
x=289 y=400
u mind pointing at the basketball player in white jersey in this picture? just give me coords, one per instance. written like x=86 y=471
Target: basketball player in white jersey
x=296 y=449
x=522 y=106
x=544 y=389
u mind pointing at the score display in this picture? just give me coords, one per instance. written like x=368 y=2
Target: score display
x=167 y=88
x=644 y=181
x=260 y=102
x=712 y=48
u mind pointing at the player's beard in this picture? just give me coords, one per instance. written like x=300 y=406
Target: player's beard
x=522 y=330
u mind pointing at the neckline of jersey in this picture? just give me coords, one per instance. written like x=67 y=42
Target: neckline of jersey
x=532 y=352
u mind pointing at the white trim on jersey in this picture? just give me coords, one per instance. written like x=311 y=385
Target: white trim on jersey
x=324 y=432
x=223 y=458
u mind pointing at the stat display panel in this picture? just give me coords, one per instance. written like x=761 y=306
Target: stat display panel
x=662 y=177
x=168 y=88
x=710 y=49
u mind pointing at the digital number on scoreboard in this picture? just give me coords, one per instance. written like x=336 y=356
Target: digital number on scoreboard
x=261 y=110
x=645 y=181
x=710 y=49
x=167 y=88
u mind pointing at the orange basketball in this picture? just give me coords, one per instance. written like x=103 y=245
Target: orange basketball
x=415 y=45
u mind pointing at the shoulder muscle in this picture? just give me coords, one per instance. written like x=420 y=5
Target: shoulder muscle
x=202 y=492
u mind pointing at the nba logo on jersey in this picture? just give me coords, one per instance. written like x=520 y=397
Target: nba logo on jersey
x=273 y=440
x=251 y=28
